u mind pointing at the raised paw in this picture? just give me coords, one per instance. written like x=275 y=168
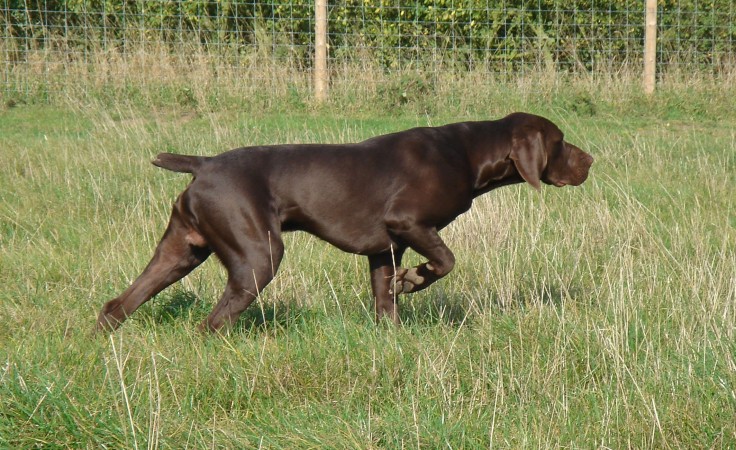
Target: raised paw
x=405 y=281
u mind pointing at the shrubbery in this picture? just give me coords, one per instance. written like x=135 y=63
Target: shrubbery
x=582 y=33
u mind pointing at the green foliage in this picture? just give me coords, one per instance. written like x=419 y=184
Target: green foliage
x=579 y=34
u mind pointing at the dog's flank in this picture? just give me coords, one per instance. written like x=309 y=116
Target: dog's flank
x=376 y=198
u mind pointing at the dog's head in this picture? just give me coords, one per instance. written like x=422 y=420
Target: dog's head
x=540 y=154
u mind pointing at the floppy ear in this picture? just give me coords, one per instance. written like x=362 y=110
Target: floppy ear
x=530 y=158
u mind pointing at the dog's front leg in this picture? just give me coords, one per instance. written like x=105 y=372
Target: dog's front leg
x=383 y=268
x=427 y=243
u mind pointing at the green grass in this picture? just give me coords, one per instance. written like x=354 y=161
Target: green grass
x=598 y=316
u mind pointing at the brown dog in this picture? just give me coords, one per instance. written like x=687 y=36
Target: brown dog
x=375 y=198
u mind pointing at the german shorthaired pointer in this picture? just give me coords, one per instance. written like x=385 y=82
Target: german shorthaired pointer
x=375 y=198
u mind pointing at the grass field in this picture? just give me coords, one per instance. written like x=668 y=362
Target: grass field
x=599 y=316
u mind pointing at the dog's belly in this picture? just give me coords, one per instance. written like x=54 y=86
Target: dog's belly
x=359 y=235
x=362 y=245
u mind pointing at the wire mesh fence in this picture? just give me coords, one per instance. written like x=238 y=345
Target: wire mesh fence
x=44 y=40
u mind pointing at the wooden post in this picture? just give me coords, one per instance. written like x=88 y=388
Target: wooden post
x=320 y=51
x=650 y=47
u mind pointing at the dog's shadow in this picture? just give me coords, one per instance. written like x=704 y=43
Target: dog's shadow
x=171 y=307
x=180 y=305
x=455 y=310
x=433 y=308
x=268 y=316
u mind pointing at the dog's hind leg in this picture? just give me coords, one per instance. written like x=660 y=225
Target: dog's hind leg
x=180 y=250
x=251 y=264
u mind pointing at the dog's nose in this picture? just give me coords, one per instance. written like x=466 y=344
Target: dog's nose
x=589 y=159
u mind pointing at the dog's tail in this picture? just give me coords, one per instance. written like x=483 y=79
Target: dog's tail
x=179 y=163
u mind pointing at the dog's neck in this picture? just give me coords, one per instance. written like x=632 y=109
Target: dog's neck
x=488 y=182
x=490 y=162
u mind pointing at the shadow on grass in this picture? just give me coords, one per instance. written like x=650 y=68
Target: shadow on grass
x=428 y=309
x=453 y=310
x=272 y=316
x=179 y=306
x=552 y=295
x=433 y=309
x=169 y=308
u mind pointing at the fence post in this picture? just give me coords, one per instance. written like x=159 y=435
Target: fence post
x=650 y=47
x=320 y=51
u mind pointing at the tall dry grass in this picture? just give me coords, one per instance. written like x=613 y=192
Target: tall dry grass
x=267 y=76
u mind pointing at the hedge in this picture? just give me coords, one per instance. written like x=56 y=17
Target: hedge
x=579 y=33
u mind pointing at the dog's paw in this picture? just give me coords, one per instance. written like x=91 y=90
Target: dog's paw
x=396 y=286
x=405 y=281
